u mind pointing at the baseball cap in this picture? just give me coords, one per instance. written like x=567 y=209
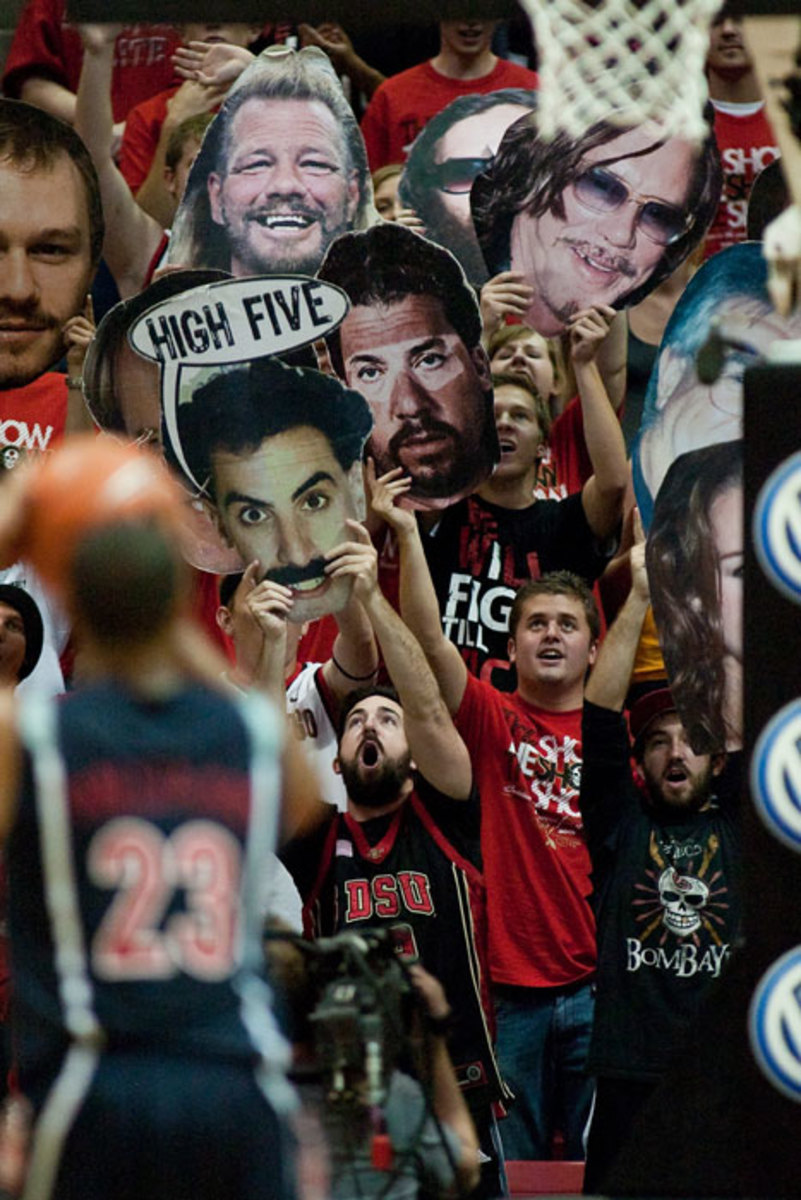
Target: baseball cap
x=648 y=707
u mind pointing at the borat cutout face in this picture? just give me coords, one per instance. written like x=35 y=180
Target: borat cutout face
x=411 y=346
x=281 y=173
x=595 y=220
x=279 y=453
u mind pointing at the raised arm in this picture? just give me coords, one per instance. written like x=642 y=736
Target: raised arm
x=132 y=236
x=354 y=658
x=436 y=748
x=603 y=492
x=608 y=684
x=191 y=100
x=418 y=599
x=612 y=360
x=332 y=38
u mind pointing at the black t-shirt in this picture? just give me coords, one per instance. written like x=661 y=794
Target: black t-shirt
x=479 y=554
x=667 y=903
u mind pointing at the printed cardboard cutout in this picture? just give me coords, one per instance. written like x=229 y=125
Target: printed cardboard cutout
x=694 y=556
x=454 y=147
x=272 y=453
x=688 y=481
x=51 y=234
x=282 y=171
x=411 y=344
x=726 y=314
x=597 y=220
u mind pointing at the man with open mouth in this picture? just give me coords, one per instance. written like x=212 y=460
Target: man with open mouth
x=281 y=173
x=665 y=850
x=279 y=449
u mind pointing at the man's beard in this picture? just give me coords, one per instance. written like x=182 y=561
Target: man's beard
x=382 y=788
x=693 y=801
x=16 y=366
x=257 y=262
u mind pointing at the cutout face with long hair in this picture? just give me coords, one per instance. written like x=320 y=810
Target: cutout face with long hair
x=694 y=556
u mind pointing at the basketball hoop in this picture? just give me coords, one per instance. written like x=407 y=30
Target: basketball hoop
x=624 y=61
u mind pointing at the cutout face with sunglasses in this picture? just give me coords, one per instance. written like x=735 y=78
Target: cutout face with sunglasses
x=439 y=175
x=625 y=204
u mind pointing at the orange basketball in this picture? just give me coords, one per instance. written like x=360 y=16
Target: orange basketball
x=87 y=483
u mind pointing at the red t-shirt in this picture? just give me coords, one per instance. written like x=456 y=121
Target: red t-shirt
x=402 y=105
x=45 y=45
x=32 y=418
x=141 y=137
x=747 y=144
x=527 y=766
x=566 y=466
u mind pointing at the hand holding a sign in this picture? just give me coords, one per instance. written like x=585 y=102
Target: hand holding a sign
x=356 y=560
x=588 y=328
x=384 y=494
x=268 y=603
x=506 y=294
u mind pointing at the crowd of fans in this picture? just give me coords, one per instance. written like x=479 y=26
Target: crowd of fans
x=502 y=774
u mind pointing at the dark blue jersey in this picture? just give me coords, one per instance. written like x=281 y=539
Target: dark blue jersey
x=142 y=829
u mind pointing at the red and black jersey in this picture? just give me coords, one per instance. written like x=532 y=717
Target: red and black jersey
x=418 y=870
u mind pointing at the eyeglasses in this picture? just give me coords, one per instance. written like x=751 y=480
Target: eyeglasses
x=456 y=175
x=602 y=191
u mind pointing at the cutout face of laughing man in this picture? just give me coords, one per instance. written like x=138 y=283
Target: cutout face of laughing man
x=286 y=190
x=51 y=233
x=411 y=345
x=600 y=220
x=281 y=173
x=280 y=449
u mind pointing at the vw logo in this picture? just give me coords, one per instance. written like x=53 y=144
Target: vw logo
x=777 y=528
x=774 y=1024
x=776 y=775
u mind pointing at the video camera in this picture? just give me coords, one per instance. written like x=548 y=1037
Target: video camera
x=362 y=1016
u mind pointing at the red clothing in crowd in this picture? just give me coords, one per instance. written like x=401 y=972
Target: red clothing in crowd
x=32 y=418
x=747 y=144
x=527 y=767
x=45 y=45
x=141 y=137
x=403 y=104
x=566 y=466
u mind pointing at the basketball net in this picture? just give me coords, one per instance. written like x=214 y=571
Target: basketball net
x=623 y=61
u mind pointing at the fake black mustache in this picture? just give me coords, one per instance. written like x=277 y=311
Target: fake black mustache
x=292 y=574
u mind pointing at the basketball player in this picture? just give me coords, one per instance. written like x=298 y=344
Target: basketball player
x=139 y=815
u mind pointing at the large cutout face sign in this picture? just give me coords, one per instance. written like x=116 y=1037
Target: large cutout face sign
x=282 y=172
x=454 y=147
x=51 y=233
x=411 y=345
x=272 y=453
x=688 y=481
x=597 y=220
x=683 y=412
x=694 y=556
